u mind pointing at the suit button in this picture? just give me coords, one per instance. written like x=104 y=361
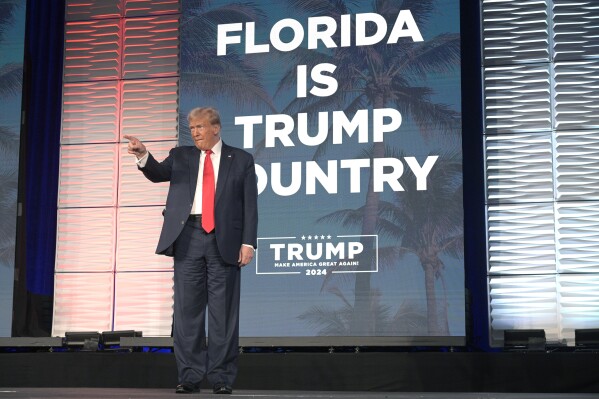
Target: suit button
x=182 y=222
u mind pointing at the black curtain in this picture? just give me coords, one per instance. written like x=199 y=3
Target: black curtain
x=38 y=169
x=475 y=244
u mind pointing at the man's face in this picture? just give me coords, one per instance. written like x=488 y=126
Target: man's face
x=204 y=134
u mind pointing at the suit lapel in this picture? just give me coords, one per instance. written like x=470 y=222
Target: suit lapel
x=226 y=159
x=193 y=160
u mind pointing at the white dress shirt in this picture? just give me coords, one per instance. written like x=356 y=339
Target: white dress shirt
x=196 y=208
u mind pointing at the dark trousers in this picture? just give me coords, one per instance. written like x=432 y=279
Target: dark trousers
x=204 y=281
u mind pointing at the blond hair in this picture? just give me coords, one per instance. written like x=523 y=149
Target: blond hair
x=205 y=112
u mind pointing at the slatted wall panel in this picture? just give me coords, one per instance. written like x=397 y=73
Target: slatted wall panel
x=120 y=77
x=577 y=165
x=515 y=31
x=577 y=233
x=541 y=110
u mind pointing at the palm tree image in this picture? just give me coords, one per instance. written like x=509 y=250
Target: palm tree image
x=337 y=322
x=11 y=75
x=426 y=224
x=9 y=150
x=379 y=76
x=369 y=77
x=7 y=10
x=232 y=76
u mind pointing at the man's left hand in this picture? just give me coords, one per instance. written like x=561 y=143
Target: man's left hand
x=246 y=254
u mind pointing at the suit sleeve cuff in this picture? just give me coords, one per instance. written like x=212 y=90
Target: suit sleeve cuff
x=141 y=162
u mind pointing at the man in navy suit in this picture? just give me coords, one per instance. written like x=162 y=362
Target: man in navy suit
x=210 y=228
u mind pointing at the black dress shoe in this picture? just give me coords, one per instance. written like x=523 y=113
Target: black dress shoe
x=185 y=388
x=222 y=389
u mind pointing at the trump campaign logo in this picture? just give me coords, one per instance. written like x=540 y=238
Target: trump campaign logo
x=317 y=254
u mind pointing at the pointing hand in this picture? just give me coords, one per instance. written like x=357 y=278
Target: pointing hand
x=135 y=146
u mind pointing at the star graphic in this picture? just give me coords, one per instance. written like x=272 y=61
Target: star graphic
x=322 y=237
x=329 y=237
x=303 y=237
x=309 y=237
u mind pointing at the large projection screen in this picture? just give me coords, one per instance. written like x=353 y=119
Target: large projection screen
x=352 y=112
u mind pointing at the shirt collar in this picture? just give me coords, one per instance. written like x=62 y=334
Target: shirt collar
x=217 y=148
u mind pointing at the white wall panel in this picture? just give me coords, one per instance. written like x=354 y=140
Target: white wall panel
x=82 y=302
x=517 y=98
x=515 y=31
x=88 y=175
x=575 y=27
x=92 y=50
x=149 y=108
x=102 y=9
x=519 y=167
x=577 y=165
x=144 y=302
x=524 y=302
x=151 y=7
x=90 y=112
x=85 y=10
x=579 y=303
x=521 y=239
x=150 y=46
x=138 y=232
x=576 y=94
x=134 y=188
x=577 y=232
x=85 y=240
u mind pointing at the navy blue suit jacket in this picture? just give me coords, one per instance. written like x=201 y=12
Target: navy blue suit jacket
x=236 y=198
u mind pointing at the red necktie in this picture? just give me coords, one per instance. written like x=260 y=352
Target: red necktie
x=208 y=194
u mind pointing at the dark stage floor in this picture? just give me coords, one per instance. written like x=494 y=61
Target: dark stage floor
x=531 y=375
x=129 y=393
